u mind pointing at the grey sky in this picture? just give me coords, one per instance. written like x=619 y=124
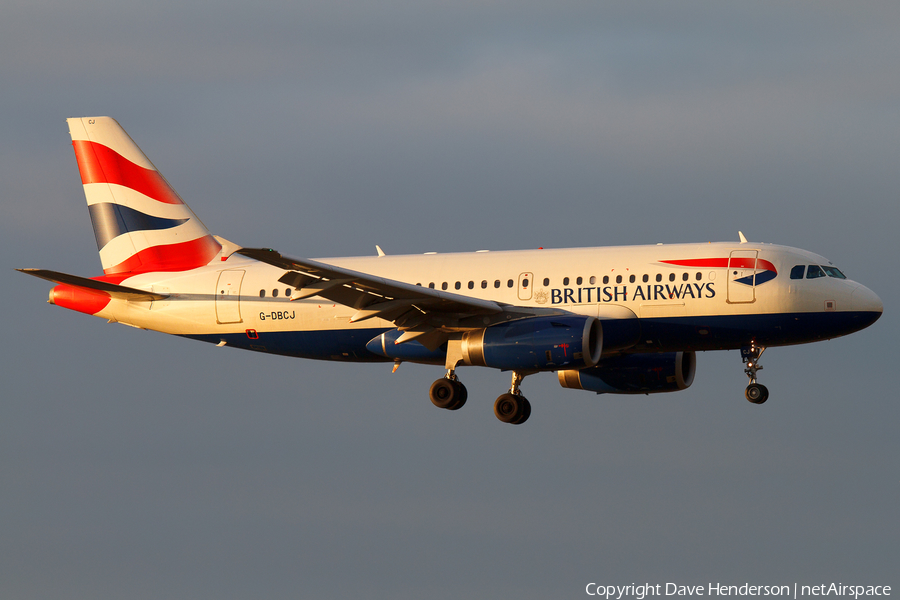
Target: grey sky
x=136 y=465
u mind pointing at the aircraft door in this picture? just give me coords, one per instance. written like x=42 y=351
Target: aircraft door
x=742 y=276
x=526 y=282
x=228 y=295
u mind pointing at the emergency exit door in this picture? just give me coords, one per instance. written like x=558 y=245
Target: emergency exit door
x=525 y=284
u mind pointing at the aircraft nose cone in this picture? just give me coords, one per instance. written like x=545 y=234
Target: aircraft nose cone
x=866 y=300
x=867 y=303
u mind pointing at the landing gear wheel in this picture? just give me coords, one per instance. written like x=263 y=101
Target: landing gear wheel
x=512 y=408
x=448 y=393
x=757 y=393
x=526 y=411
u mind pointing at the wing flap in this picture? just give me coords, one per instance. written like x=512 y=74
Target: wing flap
x=389 y=310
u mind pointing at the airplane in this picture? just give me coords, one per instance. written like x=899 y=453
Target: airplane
x=610 y=320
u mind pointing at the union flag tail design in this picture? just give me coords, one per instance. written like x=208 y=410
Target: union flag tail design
x=140 y=222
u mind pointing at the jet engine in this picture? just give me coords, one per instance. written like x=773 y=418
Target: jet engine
x=635 y=374
x=536 y=344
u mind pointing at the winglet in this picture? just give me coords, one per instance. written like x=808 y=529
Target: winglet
x=741 y=235
x=379 y=250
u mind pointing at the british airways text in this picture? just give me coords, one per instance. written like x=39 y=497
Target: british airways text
x=621 y=293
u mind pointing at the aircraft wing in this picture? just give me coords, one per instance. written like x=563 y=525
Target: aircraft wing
x=424 y=314
x=114 y=290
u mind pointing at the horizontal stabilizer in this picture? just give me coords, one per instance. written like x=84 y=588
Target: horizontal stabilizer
x=114 y=291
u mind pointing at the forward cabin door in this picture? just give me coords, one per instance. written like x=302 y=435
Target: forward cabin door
x=228 y=296
x=742 y=276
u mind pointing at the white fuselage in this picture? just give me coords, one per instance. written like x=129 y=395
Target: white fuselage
x=724 y=295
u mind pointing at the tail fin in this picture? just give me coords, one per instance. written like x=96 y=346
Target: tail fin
x=140 y=222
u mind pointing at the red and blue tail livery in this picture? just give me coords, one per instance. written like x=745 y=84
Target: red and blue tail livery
x=610 y=320
x=141 y=224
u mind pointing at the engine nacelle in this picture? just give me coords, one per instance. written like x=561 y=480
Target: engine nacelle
x=635 y=374
x=536 y=344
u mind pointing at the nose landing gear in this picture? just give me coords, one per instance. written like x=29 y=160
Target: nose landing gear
x=756 y=393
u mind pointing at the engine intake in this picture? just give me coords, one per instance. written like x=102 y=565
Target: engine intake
x=635 y=374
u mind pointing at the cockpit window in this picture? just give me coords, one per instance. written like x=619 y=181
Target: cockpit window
x=797 y=272
x=814 y=271
x=834 y=272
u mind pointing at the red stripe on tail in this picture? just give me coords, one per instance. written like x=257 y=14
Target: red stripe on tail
x=100 y=164
x=171 y=257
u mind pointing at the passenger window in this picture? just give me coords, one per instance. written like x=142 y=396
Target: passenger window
x=484 y=284
x=797 y=272
x=814 y=272
x=262 y=293
x=496 y=283
x=593 y=280
x=685 y=276
x=631 y=279
x=444 y=286
x=565 y=281
x=274 y=293
x=671 y=276
x=578 y=281
x=645 y=278
x=287 y=292
x=618 y=279
x=546 y=281
x=471 y=285
x=659 y=277
x=457 y=285
x=431 y=285
x=510 y=283
x=605 y=279
x=699 y=276
x=525 y=283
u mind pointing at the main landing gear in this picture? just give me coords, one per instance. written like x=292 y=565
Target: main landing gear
x=448 y=392
x=756 y=393
x=512 y=407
